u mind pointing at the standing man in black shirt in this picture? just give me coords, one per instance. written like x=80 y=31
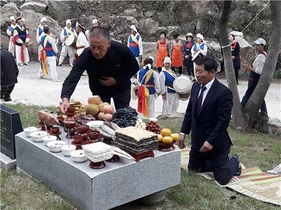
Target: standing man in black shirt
x=110 y=66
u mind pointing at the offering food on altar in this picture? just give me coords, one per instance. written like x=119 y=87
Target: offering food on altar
x=37 y=136
x=67 y=149
x=49 y=138
x=55 y=146
x=125 y=117
x=92 y=109
x=108 y=129
x=95 y=124
x=166 y=139
x=29 y=130
x=95 y=99
x=78 y=156
x=140 y=124
x=136 y=139
x=47 y=118
x=84 y=119
x=75 y=107
x=98 y=152
x=152 y=126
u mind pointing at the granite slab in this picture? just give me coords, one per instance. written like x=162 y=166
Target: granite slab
x=116 y=184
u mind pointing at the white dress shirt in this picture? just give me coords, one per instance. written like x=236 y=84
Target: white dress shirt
x=208 y=87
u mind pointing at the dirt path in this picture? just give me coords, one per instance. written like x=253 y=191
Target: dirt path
x=31 y=90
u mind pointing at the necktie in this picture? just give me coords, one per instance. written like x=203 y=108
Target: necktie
x=199 y=100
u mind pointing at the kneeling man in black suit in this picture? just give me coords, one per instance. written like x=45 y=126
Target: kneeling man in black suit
x=207 y=117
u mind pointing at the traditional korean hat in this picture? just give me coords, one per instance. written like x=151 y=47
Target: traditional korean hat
x=133 y=27
x=78 y=25
x=12 y=18
x=18 y=19
x=43 y=19
x=189 y=35
x=95 y=22
x=167 y=60
x=200 y=36
x=67 y=21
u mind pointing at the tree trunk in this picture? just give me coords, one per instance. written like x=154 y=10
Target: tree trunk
x=238 y=118
x=254 y=103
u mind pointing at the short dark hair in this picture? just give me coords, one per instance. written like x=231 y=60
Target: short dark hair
x=147 y=61
x=232 y=36
x=176 y=35
x=46 y=29
x=208 y=63
x=163 y=32
x=97 y=31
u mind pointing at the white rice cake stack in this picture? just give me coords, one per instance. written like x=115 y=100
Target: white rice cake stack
x=136 y=139
x=98 y=152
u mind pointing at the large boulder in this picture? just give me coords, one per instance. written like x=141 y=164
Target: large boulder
x=133 y=13
x=121 y=31
x=63 y=10
x=148 y=26
x=35 y=6
x=7 y=11
x=3 y=2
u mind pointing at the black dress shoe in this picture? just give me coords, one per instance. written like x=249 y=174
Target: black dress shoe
x=7 y=99
x=238 y=172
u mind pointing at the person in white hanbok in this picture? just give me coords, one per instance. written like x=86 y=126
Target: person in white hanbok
x=10 y=32
x=21 y=38
x=149 y=79
x=67 y=50
x=39 y=32
x=169 y=95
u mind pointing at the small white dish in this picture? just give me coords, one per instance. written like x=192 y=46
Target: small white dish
x=93 y=125
x=55 y=146
x=78 y=156
x=37 y=136
x=29 y=130
x=49 y=138
x=67 y=149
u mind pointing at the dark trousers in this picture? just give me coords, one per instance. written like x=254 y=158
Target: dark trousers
x=245 y=100
x=6 y=92
x=121 y=100
x=236 y=74
x=214 y=161
x=180 y=69
x=190 y=71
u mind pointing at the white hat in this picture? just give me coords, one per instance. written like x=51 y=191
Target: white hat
x=43 y=19
x=151 y=58
x=167 y=60
x=12 y=18
x=200 y=36
x=260 y=41
x=189 y=34
x=95 y=22
x=133 y=27
x=67 y=21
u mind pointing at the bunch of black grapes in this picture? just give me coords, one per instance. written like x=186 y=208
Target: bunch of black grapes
x=125 y=117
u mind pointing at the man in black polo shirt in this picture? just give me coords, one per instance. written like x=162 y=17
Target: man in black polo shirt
x=110 y=66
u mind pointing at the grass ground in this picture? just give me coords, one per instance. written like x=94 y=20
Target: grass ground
x=19 y=192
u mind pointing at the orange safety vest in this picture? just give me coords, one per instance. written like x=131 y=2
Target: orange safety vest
x=177 y=54
x=162 y=52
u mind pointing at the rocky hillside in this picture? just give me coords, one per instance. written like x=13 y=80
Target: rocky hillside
x=150 y=17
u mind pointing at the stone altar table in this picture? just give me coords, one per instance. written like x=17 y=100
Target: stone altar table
x=97 y=189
